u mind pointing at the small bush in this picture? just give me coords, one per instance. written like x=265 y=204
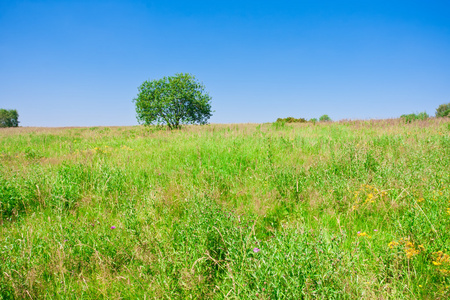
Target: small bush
x=413 y=117
x=292 y=120
x=422 y=116
x=443 y=110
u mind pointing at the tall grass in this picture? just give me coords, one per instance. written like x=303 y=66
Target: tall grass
x=354 y=209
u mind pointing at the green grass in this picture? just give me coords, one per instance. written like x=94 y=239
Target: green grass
x=135 y=212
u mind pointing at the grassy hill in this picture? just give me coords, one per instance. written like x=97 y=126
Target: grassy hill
x=357 y=209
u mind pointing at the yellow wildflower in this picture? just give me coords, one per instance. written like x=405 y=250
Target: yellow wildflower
x=441 y=258
x=410 y=252
x=392 y=244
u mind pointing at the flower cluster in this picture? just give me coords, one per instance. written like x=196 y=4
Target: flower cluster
x=393 y=244
x=363 y=234
x=440 y=258
x=410 y=249
x=443 y=260
x=367 y=194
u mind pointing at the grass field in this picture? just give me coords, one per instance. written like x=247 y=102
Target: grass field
x=357 y=209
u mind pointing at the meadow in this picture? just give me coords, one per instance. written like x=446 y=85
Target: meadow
x=335 y=210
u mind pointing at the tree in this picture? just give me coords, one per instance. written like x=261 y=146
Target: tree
x=173 y=100
x=443 y=110
x=9 y=118
x=325 y=118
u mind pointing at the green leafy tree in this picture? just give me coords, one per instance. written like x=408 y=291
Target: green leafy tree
x=173 y=100
x=325 y=118
x=9 y=118
x=443 y=110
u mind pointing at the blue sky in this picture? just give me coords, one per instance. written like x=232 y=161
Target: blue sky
x=79 y=63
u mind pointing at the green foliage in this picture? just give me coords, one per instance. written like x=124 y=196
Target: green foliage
x=325 y=118
x=413 y=117
x=173 y=100
x=408 y=118
x=9 y=118
x=422 y=116
x=313 y=120
x=443 y=110
x=292 y=120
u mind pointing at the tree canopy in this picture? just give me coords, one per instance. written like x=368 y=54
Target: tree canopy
x=173 y=100
x=9 y=118
x=324 y=118
x=443 y=110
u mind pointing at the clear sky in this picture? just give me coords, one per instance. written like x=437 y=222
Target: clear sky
x=79 y=63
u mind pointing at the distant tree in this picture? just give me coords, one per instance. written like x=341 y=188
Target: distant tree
x=443 y=110
x=9 y=118
x=292 y=120
x=413 y=117
x=313 y=120
x=422 y=116
x=173 y=100
x=408 y=118
x=325 y=118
